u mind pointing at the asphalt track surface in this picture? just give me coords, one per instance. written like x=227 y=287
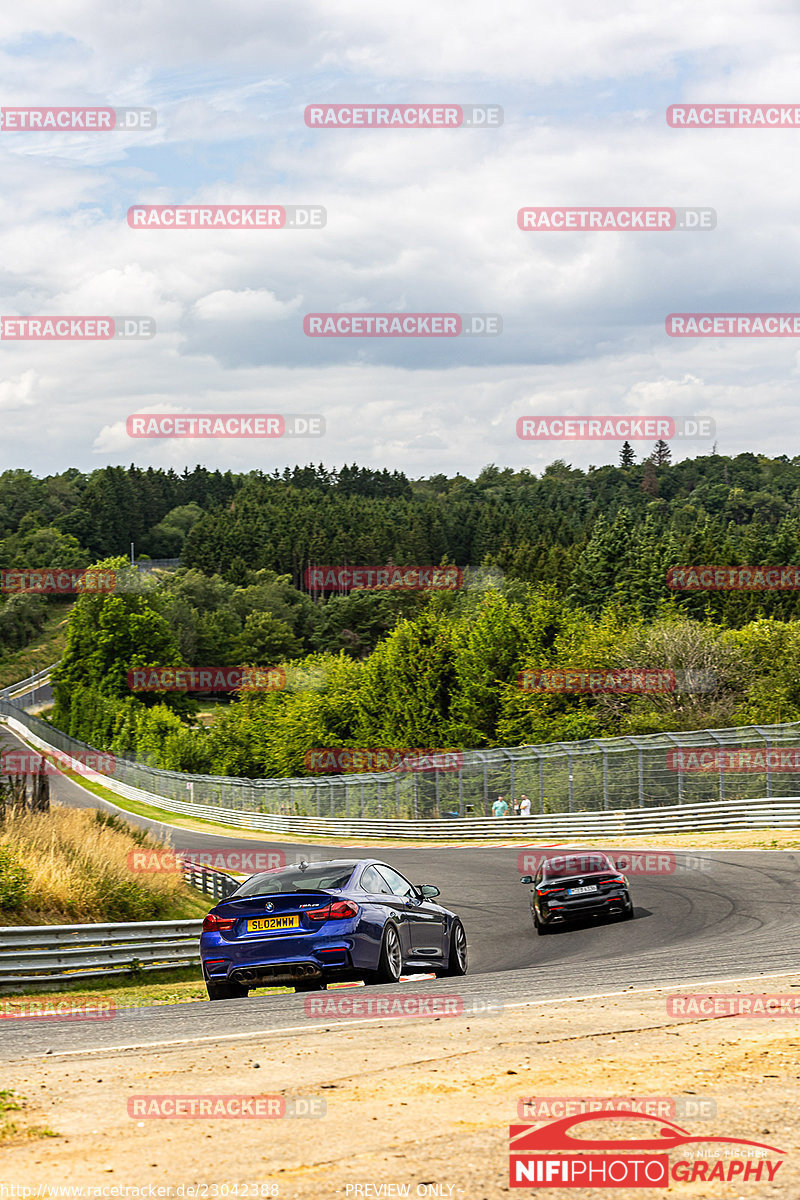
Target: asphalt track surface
x=718 y=915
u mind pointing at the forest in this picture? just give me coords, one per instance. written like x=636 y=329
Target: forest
x=563 y=570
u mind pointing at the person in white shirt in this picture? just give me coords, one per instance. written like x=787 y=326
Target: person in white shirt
x=524 y=806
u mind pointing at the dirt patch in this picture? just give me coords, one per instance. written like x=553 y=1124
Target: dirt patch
x=418 y=1103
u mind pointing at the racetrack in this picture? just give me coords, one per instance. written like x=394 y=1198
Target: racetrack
x=718 y=915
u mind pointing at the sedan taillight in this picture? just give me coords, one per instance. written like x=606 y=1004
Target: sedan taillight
x=213 y=923
x=339 y=910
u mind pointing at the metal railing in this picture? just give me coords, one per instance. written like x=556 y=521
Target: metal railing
x=581 y=816
x=26 y=685
x=60 y=953
x=208 y=880
x=595 y=775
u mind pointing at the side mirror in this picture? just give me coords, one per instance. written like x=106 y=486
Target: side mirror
x=428 y=891
x=526 y=879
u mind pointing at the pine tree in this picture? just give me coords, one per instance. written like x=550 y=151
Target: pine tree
x=627 y=457
x=662 y=455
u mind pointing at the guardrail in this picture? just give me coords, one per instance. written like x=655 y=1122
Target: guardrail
x=62 y=953
x=598 y=775
x=26 y=685
x=208 y=880
x=758 y=812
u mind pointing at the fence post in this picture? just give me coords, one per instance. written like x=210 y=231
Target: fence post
x=571 y=785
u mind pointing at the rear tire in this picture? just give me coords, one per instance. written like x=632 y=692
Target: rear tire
x=540 y=928
x=226 y=989
x=390 y=963
x=628 y=913
x=458 y=960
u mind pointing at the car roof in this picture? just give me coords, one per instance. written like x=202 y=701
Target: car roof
x=586 y=860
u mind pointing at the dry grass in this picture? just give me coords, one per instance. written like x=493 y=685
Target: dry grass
x=9 y=1130
x=75 y=868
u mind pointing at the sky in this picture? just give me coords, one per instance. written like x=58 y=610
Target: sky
x=417 y=220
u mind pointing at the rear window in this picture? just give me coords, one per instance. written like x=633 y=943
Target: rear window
x=321 y=877
x=570 y=865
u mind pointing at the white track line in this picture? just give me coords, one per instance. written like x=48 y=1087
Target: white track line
x=323 y=1024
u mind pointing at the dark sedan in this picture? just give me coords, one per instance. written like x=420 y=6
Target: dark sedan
x=339 y=920
x=569 y=887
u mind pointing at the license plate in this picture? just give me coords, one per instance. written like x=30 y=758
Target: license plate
x=582 y=890
x=261 y=924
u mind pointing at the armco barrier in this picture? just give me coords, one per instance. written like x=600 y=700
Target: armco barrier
x=210 y=882
x=759 y=813
x=60 y=953
x=27 y=685
x=611 y=786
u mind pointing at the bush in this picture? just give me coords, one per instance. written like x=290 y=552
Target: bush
x=14 y=881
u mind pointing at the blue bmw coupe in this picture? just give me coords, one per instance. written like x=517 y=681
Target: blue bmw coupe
x=312 y=923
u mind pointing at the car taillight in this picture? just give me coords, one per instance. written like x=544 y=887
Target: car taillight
x=547 y=891
x=213 y=923
x=340 y=910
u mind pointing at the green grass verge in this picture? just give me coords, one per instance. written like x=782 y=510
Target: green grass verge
x=148 y=989
x=9 y=1130
x=47 y=648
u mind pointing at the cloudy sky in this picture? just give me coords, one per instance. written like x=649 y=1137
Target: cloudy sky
x=417 y=221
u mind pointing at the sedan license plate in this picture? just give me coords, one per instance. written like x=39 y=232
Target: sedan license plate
x=261 y=924
x=581 y=891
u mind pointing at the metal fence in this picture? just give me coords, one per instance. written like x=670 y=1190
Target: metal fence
x=27 y=685
x=597 y=775
x=208 y=881
x=62 y=953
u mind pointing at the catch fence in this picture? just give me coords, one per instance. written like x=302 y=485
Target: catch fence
x=597 y=775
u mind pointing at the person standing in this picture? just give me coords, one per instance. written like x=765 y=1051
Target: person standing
x=524 y=806
x=499 y=808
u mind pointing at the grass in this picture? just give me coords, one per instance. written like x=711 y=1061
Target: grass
x=166 y=987
x=72 y=865
x=10 y=1130
x=47 y=648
